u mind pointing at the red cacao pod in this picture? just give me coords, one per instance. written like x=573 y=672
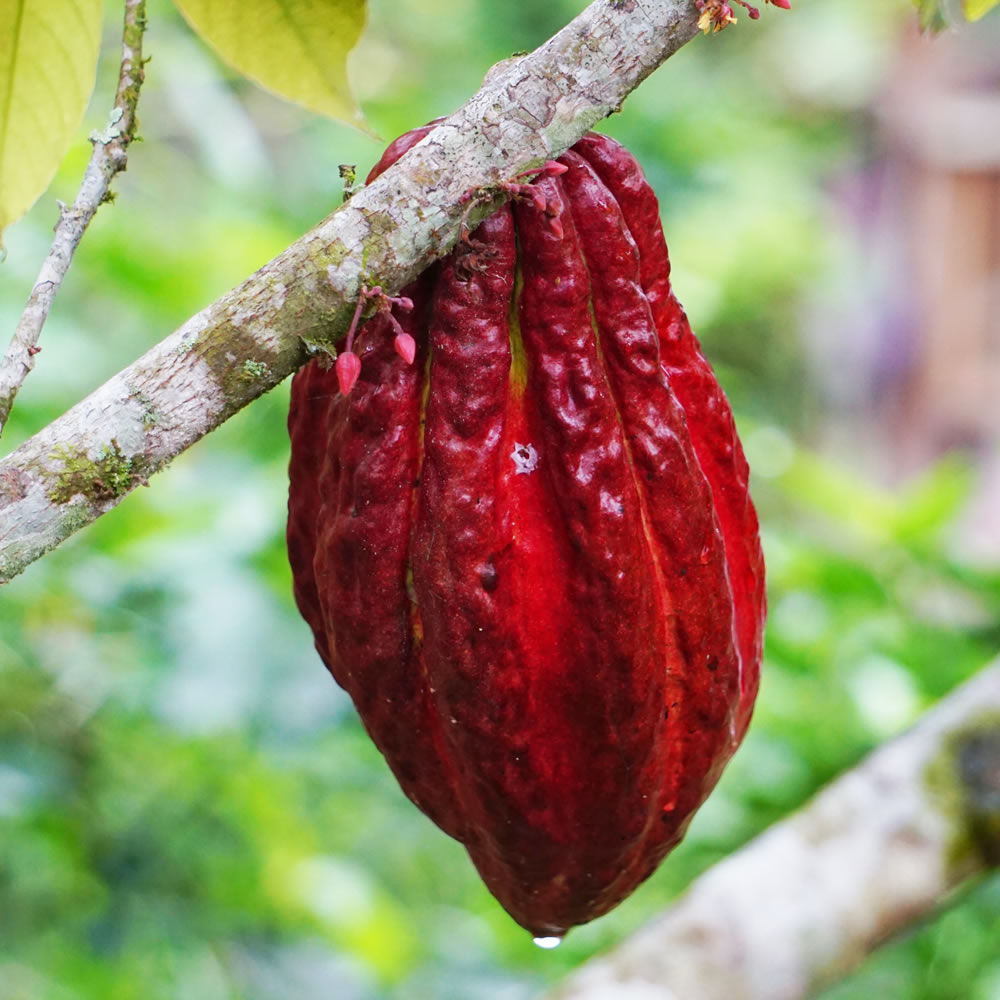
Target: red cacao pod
x=530 y=556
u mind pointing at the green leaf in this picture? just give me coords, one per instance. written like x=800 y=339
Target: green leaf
x=295 y=48
x=975 y=9
x=48 y=62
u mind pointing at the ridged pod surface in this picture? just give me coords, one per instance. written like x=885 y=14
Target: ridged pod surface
x=530 y=557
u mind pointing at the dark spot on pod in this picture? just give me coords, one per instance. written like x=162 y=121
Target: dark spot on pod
x=488 y=578
x=713 y=663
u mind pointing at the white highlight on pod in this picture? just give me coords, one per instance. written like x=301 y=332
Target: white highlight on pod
x=525 y=458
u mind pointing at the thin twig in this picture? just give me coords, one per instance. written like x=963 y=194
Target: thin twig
x=108 y=159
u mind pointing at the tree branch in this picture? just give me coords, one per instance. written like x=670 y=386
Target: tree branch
x=530 y=110
x=804 y=903
x=110 y=157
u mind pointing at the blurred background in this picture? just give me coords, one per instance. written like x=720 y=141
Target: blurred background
x=188 y=804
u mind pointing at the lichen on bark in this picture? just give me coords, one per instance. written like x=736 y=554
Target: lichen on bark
x=108 y=476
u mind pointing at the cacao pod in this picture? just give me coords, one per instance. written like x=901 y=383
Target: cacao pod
x=530 y=557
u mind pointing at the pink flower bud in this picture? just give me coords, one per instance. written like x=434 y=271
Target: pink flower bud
x=552 y=168
x=406 y=347
x=348 y=369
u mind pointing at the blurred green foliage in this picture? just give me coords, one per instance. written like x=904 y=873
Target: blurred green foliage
x=188 y=805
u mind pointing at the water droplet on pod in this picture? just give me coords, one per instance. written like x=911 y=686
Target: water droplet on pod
x=548 y=942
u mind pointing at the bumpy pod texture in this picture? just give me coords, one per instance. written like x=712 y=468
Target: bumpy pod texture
x=530 y=557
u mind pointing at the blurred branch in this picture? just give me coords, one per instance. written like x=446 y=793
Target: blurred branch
x=804 y=903
x=530 y=110
x=110 y=157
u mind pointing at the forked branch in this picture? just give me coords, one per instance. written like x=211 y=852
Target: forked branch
x=530 y=110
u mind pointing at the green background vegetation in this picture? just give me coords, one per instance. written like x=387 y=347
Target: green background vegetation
x=188 y=804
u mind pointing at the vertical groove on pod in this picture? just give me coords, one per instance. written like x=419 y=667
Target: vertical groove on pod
x=416 y=623
x=518 y=357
